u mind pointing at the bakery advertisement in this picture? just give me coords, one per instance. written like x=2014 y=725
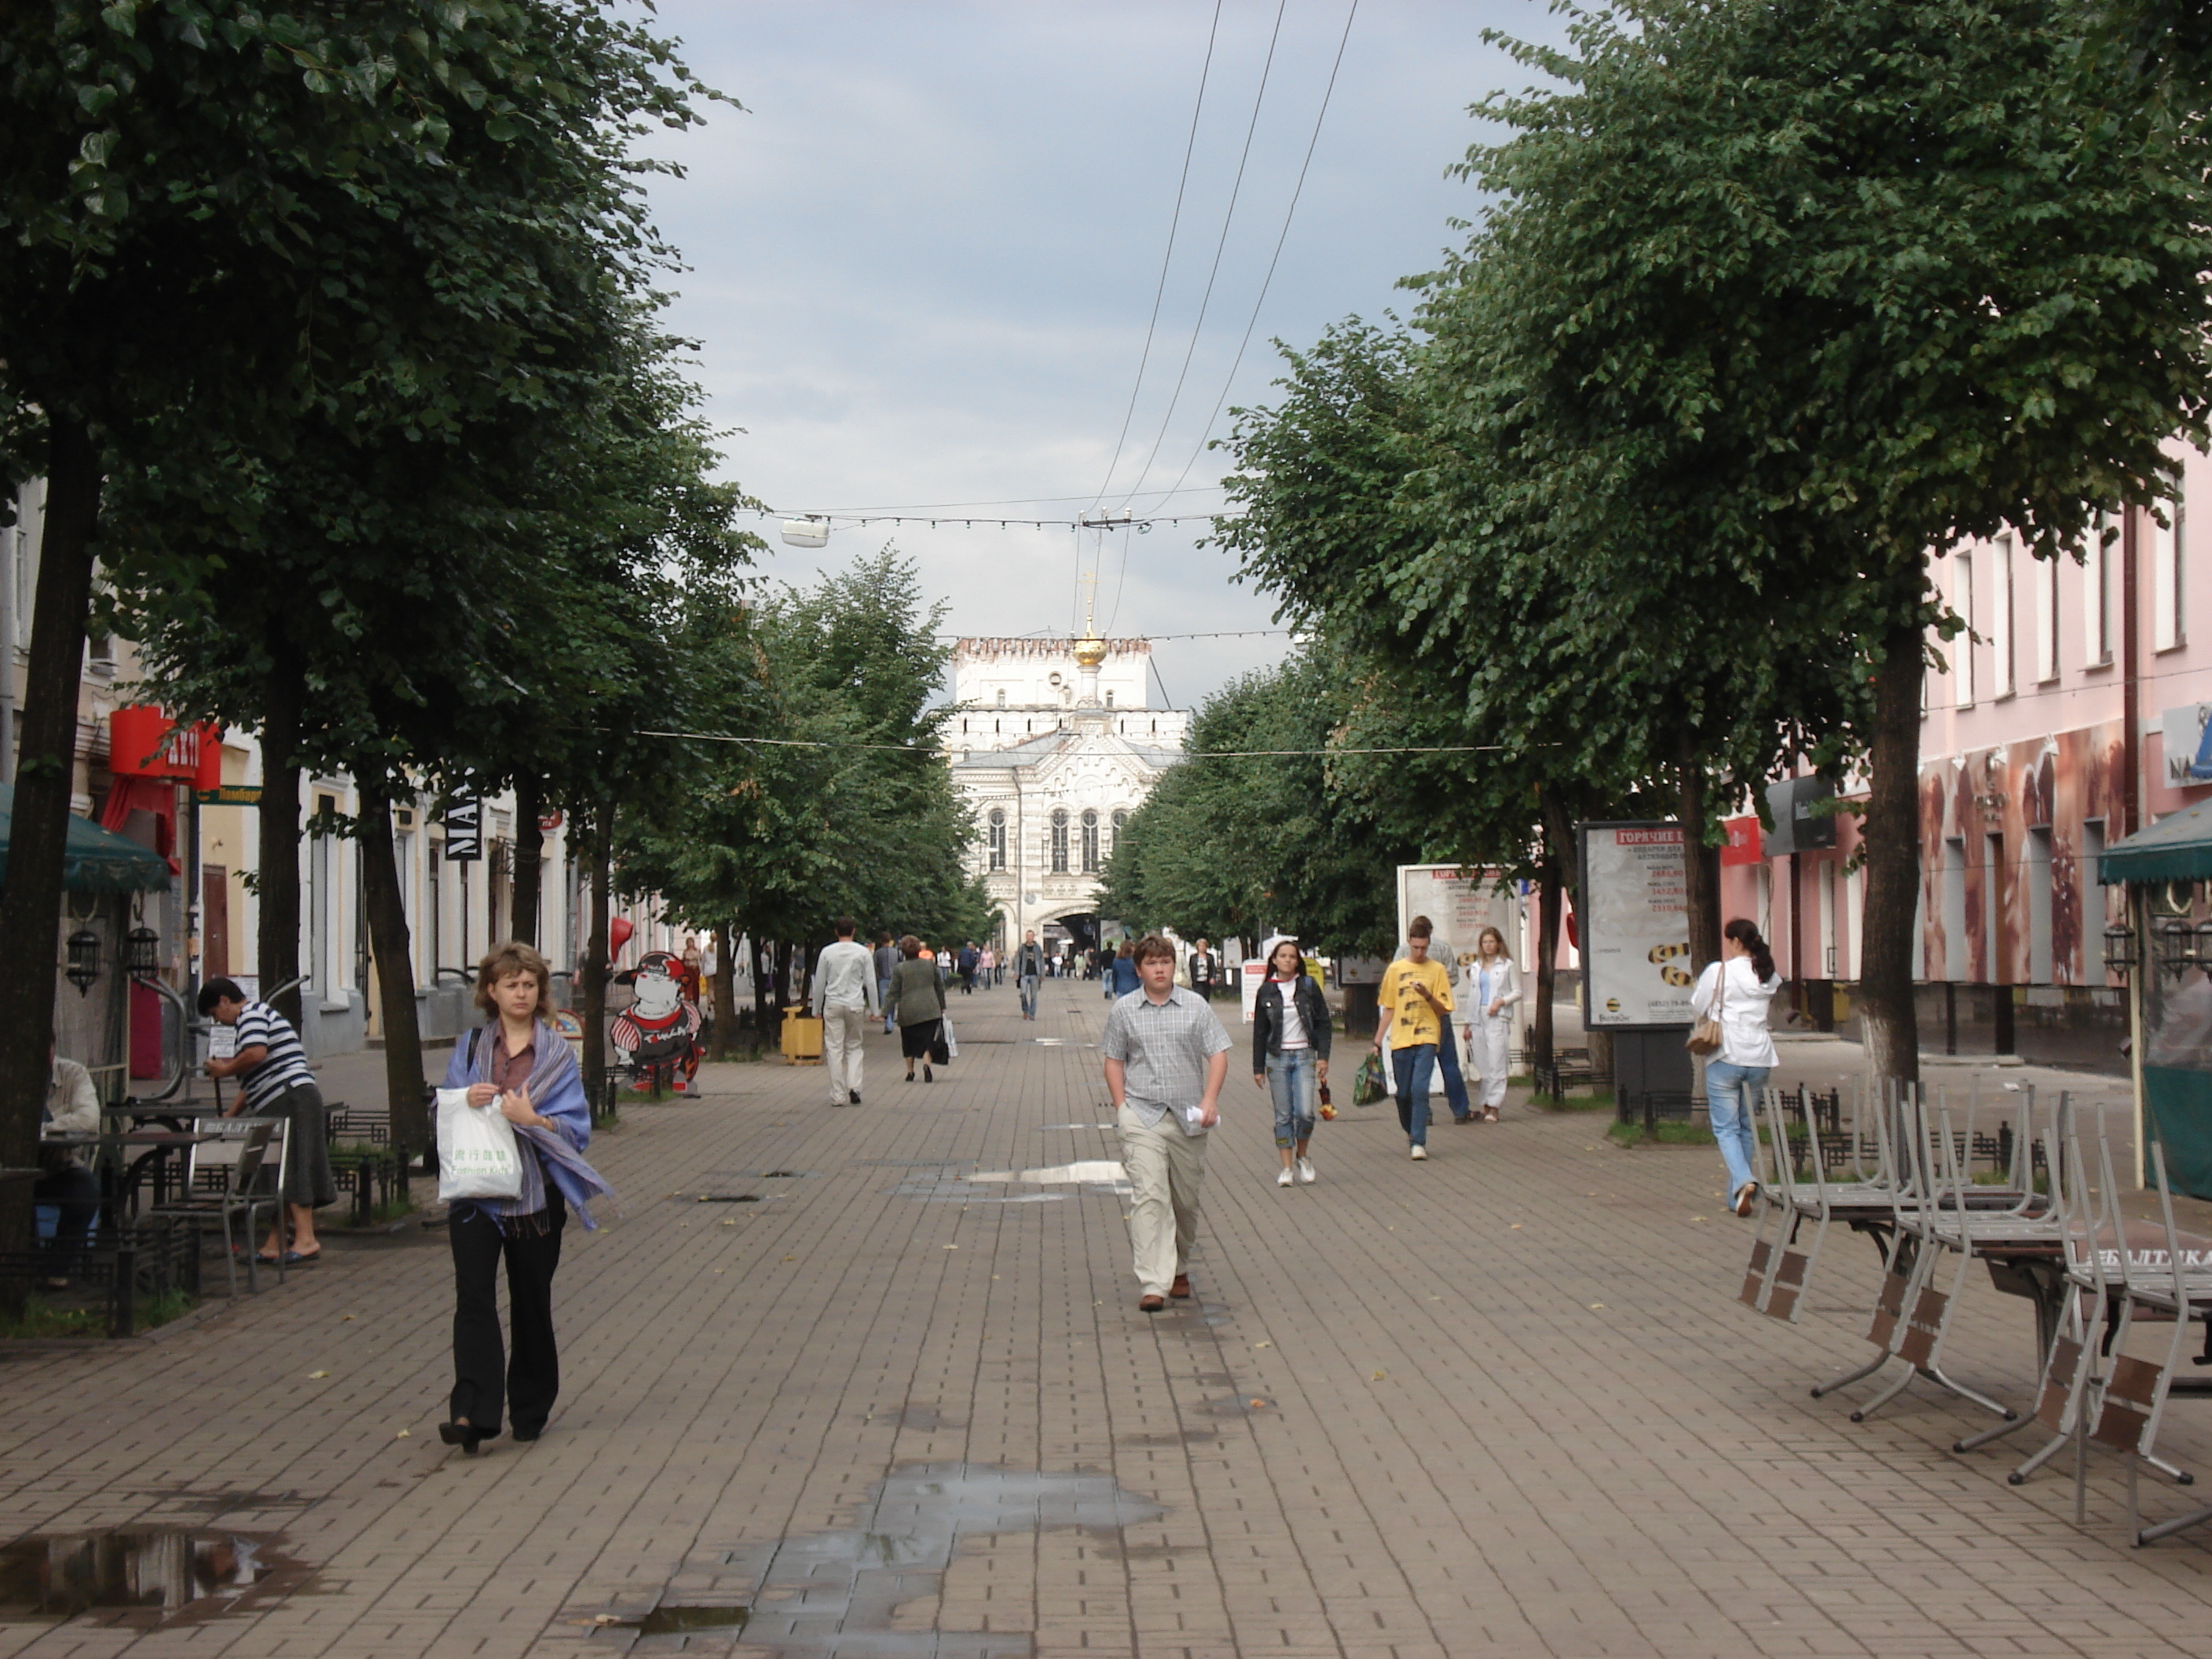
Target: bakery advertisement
x=1635 y=928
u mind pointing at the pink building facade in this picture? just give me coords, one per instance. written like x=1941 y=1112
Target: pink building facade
x=2070 y=717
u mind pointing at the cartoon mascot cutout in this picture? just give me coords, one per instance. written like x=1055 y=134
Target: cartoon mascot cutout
x=658 y=1032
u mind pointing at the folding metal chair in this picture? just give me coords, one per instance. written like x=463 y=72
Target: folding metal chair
x=237 y=1198
x=1776 y=1279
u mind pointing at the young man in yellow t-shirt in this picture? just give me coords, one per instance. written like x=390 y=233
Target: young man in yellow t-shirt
x=1416 y=1002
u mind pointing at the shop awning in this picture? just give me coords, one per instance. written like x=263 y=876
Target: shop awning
x=93 y=860
x=2178 y=848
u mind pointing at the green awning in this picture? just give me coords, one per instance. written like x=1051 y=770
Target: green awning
x=2178 y=848
x=93 y=860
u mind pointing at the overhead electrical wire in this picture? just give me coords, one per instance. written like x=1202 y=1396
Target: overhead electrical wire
x=938 y=749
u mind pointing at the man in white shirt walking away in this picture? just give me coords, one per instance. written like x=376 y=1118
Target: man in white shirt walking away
x=844 y=1000
x=1166 y=1057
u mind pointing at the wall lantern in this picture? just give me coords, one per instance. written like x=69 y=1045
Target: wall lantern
x=2174 y=943
x=2120 y=949
x=83 y=970
x=141 y=953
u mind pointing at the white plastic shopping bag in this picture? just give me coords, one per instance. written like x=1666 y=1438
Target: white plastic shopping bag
x=951 y=1042
x=478 y=1157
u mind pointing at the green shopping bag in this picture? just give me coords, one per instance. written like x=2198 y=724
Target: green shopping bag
x=1367 y=1086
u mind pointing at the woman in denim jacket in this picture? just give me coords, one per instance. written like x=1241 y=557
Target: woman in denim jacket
x=1290 y=1054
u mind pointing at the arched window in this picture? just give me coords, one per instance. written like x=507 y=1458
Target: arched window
x=998 y=839
x=1110 y=699
x=1120 y=818
x=1002 y=697
x=1059 y=841
x=1090 y=842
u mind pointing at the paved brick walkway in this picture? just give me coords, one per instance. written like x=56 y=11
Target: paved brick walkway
x=1501 y=1403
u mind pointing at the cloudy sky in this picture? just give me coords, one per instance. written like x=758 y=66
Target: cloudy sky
x=925 y=255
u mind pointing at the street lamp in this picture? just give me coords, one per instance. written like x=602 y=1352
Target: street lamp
x=142 y=948
x=2174 y=944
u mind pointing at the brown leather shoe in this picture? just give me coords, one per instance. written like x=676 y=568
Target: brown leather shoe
x=1151 y=1304
x=1180 y=1289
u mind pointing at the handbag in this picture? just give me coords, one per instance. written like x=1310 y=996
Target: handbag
x=1367 y=1083
x=1705 y=1036
x=477 y=1154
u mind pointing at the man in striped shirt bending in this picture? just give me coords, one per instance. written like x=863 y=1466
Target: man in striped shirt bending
x=275 y=1083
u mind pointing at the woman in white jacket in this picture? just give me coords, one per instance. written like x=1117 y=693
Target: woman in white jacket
x=1496 y=983
x=1741 y=984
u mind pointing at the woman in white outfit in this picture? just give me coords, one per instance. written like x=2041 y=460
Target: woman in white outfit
x=1490 y=1030
x=1740 y=985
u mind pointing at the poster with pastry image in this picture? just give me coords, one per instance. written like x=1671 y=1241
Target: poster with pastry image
x=1635 y=927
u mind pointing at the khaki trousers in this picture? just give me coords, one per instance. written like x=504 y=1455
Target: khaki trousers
x=841 y=1027
x=1167 y=1168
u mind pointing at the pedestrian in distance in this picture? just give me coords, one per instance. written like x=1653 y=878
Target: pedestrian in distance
x=1449 y=1076
x=967 y=961
x=1030 y=965
x=917 y=1002
x=1735 y=991
x=1414 y=1003
x=1496 y=985
x=1165 y=1058
x=1121 y=975
x=844 y=999
x=887 y=958
x=987 y=968
x=1204 y=969
x=275 y=1083
x=516 y=1059
x=1291 y=1036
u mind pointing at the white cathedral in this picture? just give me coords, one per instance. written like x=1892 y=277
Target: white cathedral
x=1054 y=744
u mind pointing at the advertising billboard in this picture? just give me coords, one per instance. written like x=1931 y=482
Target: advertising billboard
x=1459 y=903
x=1635 y=927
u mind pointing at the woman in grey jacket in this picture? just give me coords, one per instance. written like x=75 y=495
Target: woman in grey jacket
x=916 y=1000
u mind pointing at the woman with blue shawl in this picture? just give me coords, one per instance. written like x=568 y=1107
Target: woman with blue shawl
x=516 y=1059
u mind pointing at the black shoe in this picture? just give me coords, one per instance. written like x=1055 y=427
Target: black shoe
x=466 y=1436
x=528 y=1435
x=856 y=1099
x=928 y=1076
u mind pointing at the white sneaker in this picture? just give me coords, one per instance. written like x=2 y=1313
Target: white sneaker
x=1284 y=1179
x=1306 y=1171
x=1420 y=1154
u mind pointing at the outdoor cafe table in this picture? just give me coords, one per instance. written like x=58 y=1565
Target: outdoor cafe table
x=119 y=1180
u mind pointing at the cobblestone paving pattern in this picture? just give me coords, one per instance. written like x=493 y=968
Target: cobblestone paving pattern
x=1502 y=1403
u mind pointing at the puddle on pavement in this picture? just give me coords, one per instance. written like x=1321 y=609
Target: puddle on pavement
x=1042 y=1127
x=826 y=1593
x=954 y=1190
x=1062 y=1042
x=1093 y=1175
x=142 y=1576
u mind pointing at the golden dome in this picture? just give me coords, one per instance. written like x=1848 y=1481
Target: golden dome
x=1089 y=651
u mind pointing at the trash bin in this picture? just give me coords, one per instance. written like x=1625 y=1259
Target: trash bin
x=802 y=1037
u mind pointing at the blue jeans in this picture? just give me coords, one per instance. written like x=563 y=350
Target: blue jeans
x=1730 y=1092
x=1413 y=1068
x=883 y=1000
x=1294 y=1082
x=1455 y=1085
x=1029 y=987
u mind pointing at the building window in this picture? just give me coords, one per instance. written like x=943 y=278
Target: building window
x=2097 y=596
x=1002 y=697
x=1059 y=841
x=1090 y=842
x=1110 y=699
x=2002 y=635
x=2046 y=620
x=2166 y=595
x=1119 y=819
x=1962 y=643
x=998 y=839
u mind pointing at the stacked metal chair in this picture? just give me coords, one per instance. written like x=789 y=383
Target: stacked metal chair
x=1781 y=1267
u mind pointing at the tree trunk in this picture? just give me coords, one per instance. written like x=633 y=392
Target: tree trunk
x=1701 y=864
x=31 y=908
x=595 y=949
x=725 y=993
x=1892 y=835
x=395 y=974
x=1547 y=956
x=276 y=951
x=528 y=876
